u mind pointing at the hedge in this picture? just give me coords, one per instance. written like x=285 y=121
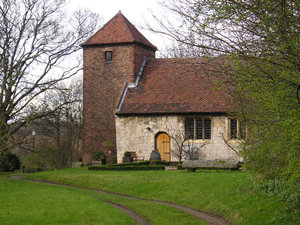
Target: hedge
x=140 y=163
x=144 y=163
x=128 y=167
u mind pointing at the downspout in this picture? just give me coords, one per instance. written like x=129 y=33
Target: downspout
x=132 y=85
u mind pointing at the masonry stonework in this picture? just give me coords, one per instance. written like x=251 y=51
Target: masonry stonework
x=132 y=135
x=103 y=84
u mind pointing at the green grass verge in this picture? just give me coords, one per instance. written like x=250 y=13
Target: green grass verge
x=222 y=192
x=31 y=203
x=25 y=202
x=157 y=214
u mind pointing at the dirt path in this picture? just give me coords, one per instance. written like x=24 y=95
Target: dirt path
x=135 y=216
x=211 y=218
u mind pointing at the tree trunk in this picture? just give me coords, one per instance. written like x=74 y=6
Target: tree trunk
x=4 y=132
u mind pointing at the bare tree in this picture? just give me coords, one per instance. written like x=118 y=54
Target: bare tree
x=179 y=139
x=180 y=50
x=231 y=147
x=185 y=148
x=57 y=140
x=36 y=41
x=192 y=150
x=66 y=122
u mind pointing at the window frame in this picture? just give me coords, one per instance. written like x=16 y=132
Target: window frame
x=239 y=133
x=195 y=134
x=106 y=56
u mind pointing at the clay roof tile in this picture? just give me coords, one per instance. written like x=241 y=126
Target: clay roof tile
x=178 y=86
x=118 y=30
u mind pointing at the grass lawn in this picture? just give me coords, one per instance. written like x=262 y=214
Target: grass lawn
x=157 y=214
x=224 y=193
x=26 y=202
x=33 y=203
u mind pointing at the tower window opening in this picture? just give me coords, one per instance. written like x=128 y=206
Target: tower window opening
x=108 y=56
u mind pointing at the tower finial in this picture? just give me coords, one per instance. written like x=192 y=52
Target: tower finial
x=120 y=11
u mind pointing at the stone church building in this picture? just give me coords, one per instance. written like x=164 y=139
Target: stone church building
x=135 y=102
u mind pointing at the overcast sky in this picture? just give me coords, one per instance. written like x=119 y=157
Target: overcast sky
x=136 y=11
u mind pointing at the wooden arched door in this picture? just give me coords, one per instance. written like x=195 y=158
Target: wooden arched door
x=163 y=146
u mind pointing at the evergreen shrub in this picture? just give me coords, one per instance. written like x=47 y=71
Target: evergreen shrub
x=9 y=162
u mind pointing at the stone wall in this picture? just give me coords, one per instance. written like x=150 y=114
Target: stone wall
x=137 y=133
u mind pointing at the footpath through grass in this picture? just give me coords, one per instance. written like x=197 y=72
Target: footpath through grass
x=33 y=203
x=26 y=202
x=221 y=192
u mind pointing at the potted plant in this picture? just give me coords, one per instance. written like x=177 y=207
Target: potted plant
x=127 y=157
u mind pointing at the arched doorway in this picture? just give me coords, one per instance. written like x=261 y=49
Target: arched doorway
x=162 y=143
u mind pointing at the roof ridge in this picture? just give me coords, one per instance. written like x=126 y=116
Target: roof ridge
x=131 y=28
x=126 y=21
x=101 y=28
x=118 y=30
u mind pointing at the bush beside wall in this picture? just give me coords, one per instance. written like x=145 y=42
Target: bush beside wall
x=146 y=163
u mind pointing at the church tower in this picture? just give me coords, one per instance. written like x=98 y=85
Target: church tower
x=112 y=58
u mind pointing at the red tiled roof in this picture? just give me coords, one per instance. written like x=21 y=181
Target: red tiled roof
x=177 y=86
x=118 y=30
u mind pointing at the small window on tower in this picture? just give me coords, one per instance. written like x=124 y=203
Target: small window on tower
x=108 y=56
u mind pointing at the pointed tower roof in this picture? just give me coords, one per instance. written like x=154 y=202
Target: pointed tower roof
x=118 y=30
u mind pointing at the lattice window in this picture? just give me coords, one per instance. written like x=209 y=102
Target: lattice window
x=198 y=128
x=190 y=128
x=233 y=129
x=237 y=129
x=207 y=129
